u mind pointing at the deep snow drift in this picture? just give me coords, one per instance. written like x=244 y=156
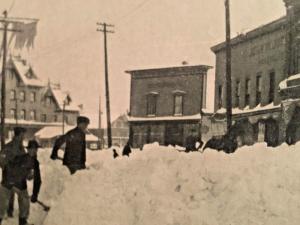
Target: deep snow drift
x=161 y=186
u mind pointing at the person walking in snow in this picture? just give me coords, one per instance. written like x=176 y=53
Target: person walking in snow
x=75 y=152
x=12 y=148
x=126 y=149
x=18 y=169
x=116 y=155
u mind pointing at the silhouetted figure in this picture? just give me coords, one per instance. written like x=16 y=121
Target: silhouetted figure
x=75 y=152
x=116 y=155
x=126 y=150
x=226 y=143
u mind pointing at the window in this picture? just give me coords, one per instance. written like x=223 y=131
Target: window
x=22 y=96
x=32 y=97
x=151 y=104
x=258 y=89
x=12 y=95
x=48 y=100
x=248 y=91
x=32 y=115
x=272 y=87
x=66 y=119
x=55 y=118
x=44 y=118
x=178 y=104
x=13 y=113
x=220 y=93
x=237 y=93
x=23 y=114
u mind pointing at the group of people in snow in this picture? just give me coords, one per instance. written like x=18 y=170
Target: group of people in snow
x=19 y=164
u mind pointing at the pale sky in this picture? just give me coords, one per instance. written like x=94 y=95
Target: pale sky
x=148 y=33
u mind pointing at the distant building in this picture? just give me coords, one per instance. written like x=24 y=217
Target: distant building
x=119 y=130
x=31 y=103
x=166 y=104
x=262 y=59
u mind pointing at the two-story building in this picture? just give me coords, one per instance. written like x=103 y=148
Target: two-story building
x=31 y=103
x=261 y=60
x=166 y=104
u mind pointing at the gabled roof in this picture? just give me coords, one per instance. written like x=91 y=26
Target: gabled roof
x=25 y=72
x=61 y=96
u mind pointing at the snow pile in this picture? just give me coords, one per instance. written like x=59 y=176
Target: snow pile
x=162 y=186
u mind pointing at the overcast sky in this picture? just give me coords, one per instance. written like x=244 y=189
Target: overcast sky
x=147 y=33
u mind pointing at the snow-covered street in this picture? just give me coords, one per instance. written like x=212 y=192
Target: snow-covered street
x=159 y=185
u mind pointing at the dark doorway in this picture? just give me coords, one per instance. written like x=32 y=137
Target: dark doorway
x=174 y=134
x=271 y=132
x=293 y=129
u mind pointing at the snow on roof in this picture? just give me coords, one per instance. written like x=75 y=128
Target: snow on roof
x=248 y=110
x=50 y=132
x=164 y=118
x=26 y=72
x=61 y=96
x=155 y=67
x=29 y=122
x=283 y=84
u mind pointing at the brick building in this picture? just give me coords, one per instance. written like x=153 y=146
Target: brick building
x=261 y=60
x=32 y=104
x=166 y=103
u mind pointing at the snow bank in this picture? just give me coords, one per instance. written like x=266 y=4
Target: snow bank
x=256 y=185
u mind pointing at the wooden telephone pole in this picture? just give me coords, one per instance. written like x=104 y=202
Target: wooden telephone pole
x=104 y=30
x=228 y=67
x=5 y=21
x=3 y=80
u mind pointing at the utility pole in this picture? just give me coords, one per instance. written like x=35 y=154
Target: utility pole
x=100 y=134
x=5 y=21
x=228 y=67
x=104 y=30
x=3 y=80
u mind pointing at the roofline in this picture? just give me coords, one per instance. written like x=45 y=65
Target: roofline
x=203 y=67
x=267 y=28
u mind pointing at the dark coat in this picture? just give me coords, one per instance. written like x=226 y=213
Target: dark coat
x=75 y=151
x=126 y=150
x=17 y=171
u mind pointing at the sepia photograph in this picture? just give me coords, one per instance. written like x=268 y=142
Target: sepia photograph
x=149 y=112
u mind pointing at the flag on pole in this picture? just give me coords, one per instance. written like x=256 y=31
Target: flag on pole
x=24 y=35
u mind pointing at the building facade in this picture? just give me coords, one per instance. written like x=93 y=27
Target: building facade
x=166 y=104
x=31 y=103
x=261 y=60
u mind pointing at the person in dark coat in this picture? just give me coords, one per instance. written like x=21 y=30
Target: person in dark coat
x=126 y=149
x=116 y=155
x=75 y=151
x=16 y=172
x=13 y=148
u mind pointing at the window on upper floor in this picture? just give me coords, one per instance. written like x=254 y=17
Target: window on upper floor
x=23 y=114
x=55 y=118
x=22 y=96
x=178 y=104
x=151 y=104
x=13 y=95
x=220 y=96
x=32 y=97
x=272 y=87
x=258 y=88
x=247 y=91
x=32 y=115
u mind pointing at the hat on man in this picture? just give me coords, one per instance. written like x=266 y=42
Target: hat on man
x=19 y=130
x=33 y=144
x=82 y=119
